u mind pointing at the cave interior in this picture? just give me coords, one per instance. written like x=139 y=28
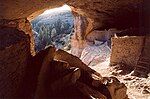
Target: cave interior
x=55 y=73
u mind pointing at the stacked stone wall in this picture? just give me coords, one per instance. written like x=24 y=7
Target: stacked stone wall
x=126 y=50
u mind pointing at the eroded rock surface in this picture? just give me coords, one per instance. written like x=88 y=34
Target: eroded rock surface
x=78 y=38
x=23 y=25
x=14 y=58
x=108 y=13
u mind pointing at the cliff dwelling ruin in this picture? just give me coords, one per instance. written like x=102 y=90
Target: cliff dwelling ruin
x=99 y=49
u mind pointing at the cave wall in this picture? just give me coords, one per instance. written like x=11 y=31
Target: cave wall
x=126 y=50
x=143 y=65
x=101 y=14
x=14 y=56
x=97 y=15
x=17 y=9
x=105 y=13
x=78 y=42
x=21 y=24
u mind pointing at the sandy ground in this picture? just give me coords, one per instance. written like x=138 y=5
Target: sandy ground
x=137 y=88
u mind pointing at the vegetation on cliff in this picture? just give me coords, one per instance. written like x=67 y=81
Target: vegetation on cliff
x=54 y=28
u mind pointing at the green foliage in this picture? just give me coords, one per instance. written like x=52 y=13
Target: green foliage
x=53 y=29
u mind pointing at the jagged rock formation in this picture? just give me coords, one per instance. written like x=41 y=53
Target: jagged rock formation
x=55 y=76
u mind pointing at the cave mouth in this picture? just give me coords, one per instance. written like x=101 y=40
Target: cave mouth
x=53 y=27
x=61 y=28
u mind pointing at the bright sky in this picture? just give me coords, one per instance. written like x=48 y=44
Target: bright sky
x=64 y=7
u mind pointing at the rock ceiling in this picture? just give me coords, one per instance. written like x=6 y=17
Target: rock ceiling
x=108 y=13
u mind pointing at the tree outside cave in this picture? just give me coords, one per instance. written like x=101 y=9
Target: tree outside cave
x=53 y=27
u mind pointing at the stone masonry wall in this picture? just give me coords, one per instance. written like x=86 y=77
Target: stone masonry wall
x=126 y=50
x=14 y=54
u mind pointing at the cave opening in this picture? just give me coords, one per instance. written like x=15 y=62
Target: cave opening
x=68 y=30
x=53 y=27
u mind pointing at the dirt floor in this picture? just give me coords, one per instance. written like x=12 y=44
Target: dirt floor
x=137 y=88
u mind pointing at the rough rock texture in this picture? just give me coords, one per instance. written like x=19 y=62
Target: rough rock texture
x=80 y=29
x=91 y=85
x=107 y=13
x=143 y=64
x=104 y=13
x=77 y=47
x=74 y=61
x=126 y=50
x=19 y=9
x=104 y=35
x=14 y=56
x=57 y=76
x=117 y=90
x=21 y=24
x=30 y=80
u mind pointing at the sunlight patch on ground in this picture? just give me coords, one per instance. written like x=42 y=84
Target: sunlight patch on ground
x=102 y=67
